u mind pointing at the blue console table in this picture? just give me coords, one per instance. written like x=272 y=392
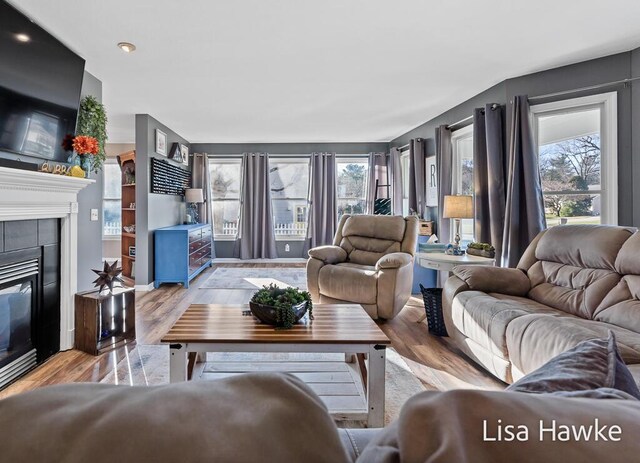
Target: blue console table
x=181 y=253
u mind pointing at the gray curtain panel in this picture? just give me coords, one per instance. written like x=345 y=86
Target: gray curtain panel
x=417 y=189
x=489 y=180
x=524 y=210
x=201 y=178
x=323 y=211
x=444 y=160
x=256 y=238
x=395 y=177
x=377 y=172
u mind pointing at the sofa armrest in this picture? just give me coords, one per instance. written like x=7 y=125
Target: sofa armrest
x=329 y=254
x=511 y=281
x=394 y=260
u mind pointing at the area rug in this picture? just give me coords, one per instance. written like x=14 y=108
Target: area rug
x=256 y=278
x=148 y=365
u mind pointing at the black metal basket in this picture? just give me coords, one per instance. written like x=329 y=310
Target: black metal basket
x=433 y=307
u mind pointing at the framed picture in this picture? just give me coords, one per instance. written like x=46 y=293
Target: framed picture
x=161 y=142
x=132 y=251
x=176 y=153
x=432 y=182
x=184 y=150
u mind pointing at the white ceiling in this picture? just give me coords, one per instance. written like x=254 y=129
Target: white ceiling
x=323 y=71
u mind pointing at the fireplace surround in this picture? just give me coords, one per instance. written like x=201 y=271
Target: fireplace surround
x=27 y=195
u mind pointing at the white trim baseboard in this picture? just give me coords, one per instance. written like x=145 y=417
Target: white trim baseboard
x=284 y=260
x=144 y=288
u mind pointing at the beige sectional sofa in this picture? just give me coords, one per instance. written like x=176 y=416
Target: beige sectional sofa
x=574 y=282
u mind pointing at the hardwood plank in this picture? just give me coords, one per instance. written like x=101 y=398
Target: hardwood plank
x=433 y=360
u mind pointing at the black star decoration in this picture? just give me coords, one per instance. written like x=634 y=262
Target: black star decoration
x=108 y=276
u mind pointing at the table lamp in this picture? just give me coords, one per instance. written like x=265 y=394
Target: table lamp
x=457 y=207
x=193 y=197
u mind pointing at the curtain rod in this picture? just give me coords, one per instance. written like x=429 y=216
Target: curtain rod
x=462 y=121
x=584 y=89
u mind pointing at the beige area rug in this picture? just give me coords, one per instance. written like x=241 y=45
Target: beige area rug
x=256 y=278
x=148 y=365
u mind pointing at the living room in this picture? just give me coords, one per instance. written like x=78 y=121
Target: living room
x=394 y=231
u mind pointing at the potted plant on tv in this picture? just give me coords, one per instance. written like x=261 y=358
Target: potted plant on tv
x=281 y=307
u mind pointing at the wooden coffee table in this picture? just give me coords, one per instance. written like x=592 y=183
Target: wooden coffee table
x=335 y=329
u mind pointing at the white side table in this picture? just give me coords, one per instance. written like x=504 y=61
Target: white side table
x=446 y=263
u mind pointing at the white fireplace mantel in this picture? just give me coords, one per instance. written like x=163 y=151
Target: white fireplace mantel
x=26 y=195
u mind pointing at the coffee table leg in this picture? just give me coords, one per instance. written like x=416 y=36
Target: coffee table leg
x=177 y=363
x=375 y=385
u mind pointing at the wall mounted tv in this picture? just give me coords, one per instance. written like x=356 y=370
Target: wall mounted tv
x=40 y=83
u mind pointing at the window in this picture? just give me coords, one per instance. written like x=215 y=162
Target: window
x=111 y=194
x=289 y=184
x=226 y=178
x=352 y=185
x=404 y=165
x=462 y=182
x=577 y=150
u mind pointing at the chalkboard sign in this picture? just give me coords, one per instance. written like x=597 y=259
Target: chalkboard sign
x=167 y=179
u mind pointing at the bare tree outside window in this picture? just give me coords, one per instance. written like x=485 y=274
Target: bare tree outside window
x=569 y=168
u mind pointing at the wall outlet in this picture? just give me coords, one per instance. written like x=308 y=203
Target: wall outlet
x=94 y=215
x=287 y=248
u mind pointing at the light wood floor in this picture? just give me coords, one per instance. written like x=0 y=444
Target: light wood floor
x=437 y=364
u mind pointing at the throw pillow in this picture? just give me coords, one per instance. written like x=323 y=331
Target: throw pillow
x=592 y=364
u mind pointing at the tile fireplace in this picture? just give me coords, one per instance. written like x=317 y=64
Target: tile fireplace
x=38 y=266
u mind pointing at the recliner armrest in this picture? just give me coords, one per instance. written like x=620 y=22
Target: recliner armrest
x=329 y=254
x=394 y=260
x=511 y=281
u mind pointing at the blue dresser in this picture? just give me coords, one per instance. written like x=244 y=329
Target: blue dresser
x=181 y=253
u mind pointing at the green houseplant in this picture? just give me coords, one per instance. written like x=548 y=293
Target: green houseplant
x=481 y=249
x=92 y=122
x=282 y=307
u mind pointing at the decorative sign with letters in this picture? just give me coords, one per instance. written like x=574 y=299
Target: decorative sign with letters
x=432 y=182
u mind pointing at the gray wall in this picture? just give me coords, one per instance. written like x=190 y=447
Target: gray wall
x=579 y=75
x=90 y=233
x=152 y=210
x=224 y=249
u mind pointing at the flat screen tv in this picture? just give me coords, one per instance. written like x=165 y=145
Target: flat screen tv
x=40 y=84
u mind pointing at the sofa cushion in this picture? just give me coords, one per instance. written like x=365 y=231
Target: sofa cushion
x=366 y=238
x=533 y=340
x=484 y=317
x=245 y=418
x=585 y=246
x=349 y=282
x=621 y=307
x=575 y=290
x=627 y=262
x=448 y=427
x=592 y=364
x=367 y=251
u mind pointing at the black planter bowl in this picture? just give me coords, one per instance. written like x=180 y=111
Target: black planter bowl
x=267 y=314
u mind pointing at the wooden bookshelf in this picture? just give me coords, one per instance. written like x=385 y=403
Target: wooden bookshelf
x=127 y=163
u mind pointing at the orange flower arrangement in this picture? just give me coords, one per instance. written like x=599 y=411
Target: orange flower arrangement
x=84 y=145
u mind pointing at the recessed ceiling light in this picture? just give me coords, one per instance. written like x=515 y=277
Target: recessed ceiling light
x=127 y=47
x=24 y=38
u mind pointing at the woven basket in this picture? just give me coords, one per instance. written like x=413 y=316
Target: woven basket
x=433 y=307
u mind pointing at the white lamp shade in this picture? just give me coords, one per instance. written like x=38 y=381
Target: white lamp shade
x=458 y=207
x=193 y=195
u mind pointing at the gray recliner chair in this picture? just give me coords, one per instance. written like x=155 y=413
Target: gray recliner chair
x=370 y=263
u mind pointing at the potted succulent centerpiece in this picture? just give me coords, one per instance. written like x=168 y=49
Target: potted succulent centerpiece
x=481 y=250
x=281 y=307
